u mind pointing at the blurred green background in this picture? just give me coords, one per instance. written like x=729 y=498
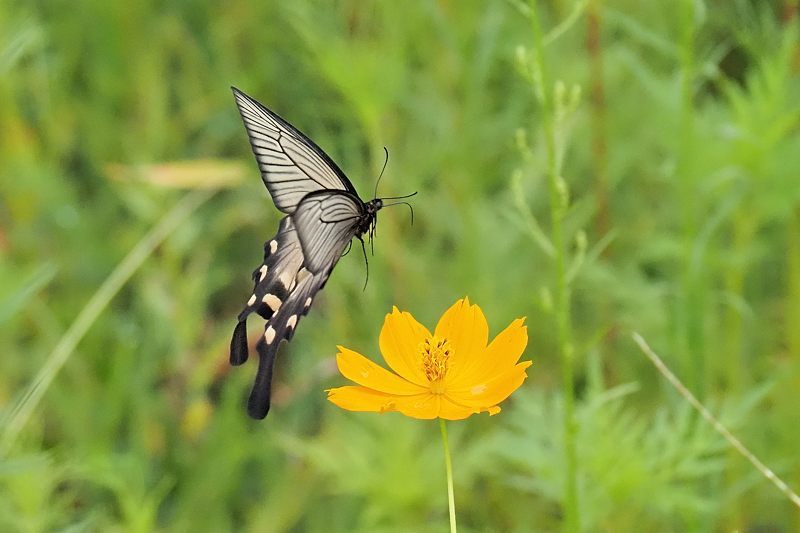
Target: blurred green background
x=121 y=150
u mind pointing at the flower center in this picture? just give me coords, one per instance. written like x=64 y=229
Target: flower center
x=435 y=352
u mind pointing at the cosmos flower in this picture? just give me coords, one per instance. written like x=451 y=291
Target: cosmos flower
x=450 y=374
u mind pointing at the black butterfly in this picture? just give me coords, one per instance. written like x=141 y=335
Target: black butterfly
x=323 y=214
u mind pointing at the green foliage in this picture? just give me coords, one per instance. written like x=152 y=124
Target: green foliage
x=683 y=223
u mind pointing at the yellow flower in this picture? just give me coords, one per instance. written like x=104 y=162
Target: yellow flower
x=451 y=374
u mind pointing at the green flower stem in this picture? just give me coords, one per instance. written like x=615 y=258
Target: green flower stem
x=451 y=500
x=559 y=204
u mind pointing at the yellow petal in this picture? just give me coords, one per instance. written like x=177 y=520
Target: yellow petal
x=354 y=398
x=507 y=347
x=465 y=327
x=452 y=411
x=400 y=338
x=423 y=406
x=492 y=391
x=358 y=368
x=499 y=357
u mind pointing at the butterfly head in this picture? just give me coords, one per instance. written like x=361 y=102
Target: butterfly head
x=370 y=216
x=373 y=206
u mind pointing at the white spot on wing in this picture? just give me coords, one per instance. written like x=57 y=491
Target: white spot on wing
x=302 y=274
x=269 y=335
x=273 y=246
x=263 y=273
x=272 y=301
x=292 y=322
x=251 y=301
x=308 y=302
x=286 y=279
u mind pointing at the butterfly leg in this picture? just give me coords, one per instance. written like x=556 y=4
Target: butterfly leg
x=366 y=261
x=349 y=246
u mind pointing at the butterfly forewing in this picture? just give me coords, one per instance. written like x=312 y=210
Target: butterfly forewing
x=291 y=164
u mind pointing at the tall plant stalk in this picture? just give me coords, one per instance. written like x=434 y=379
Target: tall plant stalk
x=691 y=298
x=559 y=204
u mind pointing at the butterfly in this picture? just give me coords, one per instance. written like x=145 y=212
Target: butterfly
x=323 y=214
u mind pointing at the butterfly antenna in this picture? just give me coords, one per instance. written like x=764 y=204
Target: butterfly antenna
x=385 y=162
x=404 y=203
x=400 y=197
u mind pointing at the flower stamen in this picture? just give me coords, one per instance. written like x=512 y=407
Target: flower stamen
x=435 y=353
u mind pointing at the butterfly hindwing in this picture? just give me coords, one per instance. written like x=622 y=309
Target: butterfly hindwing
x=326 y=221
x=284 y=291
x=291 y=164
x=283 y=257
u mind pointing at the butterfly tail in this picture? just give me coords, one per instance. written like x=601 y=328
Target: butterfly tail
x=280 y=327
x=259 y=401
x=239 y=343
